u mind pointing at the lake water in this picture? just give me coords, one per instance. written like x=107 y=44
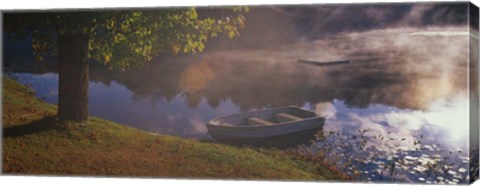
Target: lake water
x=399 y=111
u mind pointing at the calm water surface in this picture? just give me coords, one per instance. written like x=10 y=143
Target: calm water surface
x=394 y=113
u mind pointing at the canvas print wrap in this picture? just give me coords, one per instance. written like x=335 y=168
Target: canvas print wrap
x=373 y=92
x=474 y=91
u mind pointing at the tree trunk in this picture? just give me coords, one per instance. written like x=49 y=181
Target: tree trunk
x=73 y=77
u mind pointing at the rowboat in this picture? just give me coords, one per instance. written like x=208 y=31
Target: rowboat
x=285 y=126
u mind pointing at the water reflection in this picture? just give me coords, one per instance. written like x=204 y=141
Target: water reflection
x=114 y=102
x=384 y=143
x=405 y=94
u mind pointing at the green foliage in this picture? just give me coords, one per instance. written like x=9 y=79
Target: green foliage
x=122 y=39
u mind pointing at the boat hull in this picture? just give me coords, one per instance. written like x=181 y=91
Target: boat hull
x=266 y=131
x=288 y=140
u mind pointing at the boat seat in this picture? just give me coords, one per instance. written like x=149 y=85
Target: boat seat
x=284 y=117
x=258 y=121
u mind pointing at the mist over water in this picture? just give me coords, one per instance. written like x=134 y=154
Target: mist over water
x=403 y=85
x=403 y=98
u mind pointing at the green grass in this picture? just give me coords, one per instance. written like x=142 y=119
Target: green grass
x=35 y=142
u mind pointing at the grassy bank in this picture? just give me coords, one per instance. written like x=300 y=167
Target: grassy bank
x=34 y=142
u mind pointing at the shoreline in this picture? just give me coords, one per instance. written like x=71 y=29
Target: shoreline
x=35 y=143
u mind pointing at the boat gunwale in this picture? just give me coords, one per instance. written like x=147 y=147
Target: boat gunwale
x=266 y=126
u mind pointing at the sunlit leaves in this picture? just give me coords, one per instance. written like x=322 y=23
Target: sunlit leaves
x=192 y=14
x=122 y=39
x=241 y=9
x=231 y=34
x=42 y=45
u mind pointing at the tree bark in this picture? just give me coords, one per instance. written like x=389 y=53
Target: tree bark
x=73 y=77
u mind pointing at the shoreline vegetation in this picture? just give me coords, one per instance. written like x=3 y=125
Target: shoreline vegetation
x=36 y=143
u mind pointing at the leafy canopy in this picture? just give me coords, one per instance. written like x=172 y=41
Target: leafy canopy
x=124 y=38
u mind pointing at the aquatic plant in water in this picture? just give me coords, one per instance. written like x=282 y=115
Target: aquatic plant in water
x=396 y=160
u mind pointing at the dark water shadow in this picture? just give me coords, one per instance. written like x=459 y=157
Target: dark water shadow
x=41 y=125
